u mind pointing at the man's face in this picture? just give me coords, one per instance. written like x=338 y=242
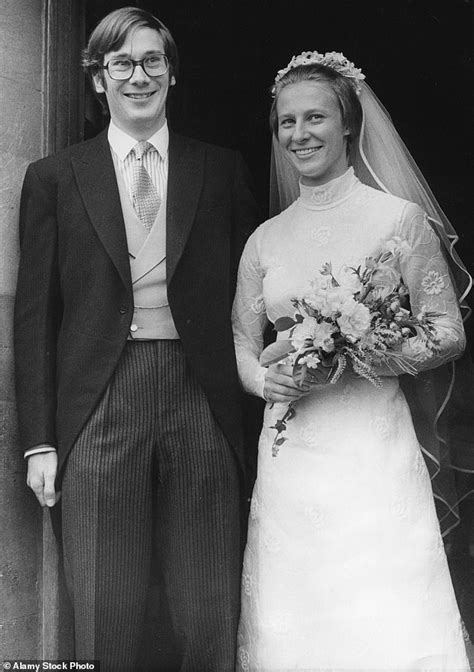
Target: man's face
x=136 y=105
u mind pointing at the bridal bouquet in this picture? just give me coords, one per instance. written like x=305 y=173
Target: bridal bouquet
x=359 y=317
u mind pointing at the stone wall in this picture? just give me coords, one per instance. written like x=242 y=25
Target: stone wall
x=41 y=110
x=21 y=141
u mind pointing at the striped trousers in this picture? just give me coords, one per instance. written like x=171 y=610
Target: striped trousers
x=151 y=522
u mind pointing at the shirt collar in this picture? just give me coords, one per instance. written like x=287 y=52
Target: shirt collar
x=122 y=143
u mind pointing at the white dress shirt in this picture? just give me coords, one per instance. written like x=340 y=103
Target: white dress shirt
x=156 y=163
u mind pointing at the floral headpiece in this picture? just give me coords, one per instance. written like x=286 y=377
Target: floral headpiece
x=331 y=59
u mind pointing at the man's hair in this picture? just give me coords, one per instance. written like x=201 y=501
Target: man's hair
x=112 y=31
x=349 y=104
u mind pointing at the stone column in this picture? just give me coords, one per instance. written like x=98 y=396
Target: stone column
x=41 y=110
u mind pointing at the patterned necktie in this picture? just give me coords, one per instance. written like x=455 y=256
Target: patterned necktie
x=146 y=199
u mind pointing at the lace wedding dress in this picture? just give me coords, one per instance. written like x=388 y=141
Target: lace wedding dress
x=344 y=566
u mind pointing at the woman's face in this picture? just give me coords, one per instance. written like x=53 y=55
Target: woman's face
x=311 y=132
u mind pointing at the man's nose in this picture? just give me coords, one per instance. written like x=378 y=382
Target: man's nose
x=139 y=74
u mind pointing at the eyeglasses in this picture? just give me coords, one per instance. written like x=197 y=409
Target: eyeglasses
x=123 y=68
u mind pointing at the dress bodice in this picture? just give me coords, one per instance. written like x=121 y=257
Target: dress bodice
x=341 y=222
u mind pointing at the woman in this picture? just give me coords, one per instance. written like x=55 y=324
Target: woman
x=344 y=566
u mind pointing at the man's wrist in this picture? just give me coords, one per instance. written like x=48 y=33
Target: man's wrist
x=40 y=448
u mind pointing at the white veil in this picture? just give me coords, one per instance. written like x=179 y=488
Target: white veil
x=381 y=159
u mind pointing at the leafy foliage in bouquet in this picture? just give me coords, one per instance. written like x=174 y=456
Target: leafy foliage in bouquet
x=360 y=317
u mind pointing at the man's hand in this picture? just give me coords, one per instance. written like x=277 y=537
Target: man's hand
x=42 y=469
x=280 y=387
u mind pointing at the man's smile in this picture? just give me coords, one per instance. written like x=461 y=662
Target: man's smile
x=140 y=96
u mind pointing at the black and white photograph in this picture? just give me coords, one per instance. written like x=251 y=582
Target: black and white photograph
x=237 y=411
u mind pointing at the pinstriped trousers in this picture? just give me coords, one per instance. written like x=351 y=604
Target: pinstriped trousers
x=151 y=507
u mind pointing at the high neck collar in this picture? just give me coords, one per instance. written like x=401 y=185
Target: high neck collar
x=330 y=193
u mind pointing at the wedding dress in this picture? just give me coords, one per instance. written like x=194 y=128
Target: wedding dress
x=345 y=566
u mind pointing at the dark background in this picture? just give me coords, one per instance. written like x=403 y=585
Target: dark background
x=416 y=55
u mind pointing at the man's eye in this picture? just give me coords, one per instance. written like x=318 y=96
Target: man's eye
x=154 y=60
x=120 y=63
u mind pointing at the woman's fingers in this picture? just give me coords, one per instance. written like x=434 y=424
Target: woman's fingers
x=280 y=386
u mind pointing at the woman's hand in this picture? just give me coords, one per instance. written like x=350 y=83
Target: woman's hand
x=280 y=387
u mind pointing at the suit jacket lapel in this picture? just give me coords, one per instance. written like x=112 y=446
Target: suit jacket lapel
x=97 y=184
x=185 y=178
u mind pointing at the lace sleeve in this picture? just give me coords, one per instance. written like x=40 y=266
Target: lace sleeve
x=427 y=276
x=249 y=319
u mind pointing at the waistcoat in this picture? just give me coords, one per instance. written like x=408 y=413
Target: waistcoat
x=152 y=317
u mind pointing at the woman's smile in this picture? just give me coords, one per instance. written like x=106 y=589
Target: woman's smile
x=311 y=131
x=306 y=151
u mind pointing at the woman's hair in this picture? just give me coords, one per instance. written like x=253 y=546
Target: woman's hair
x=113 y=30
x=351 y=109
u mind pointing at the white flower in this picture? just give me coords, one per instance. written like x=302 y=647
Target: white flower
x=433 y=282
x=336 y=297
x=311 y=332
x=303 y=332
x=419 y=466
x=258 y=305
x=385 y=279
x=323 y=336
x=315 y=515
x=355 y=319
x=381 y=426
x=272 y=543
x=397 y=246
x=349 y=280
x=321 y=235
x=416 y=347
x=317 y=300
x=254 y=508
x=311 y=360
x=310 y=435
x=323 y=280
x=244 y=658
x=399 y=507
x=247 y=584
x=332 y=59
x=320 y=196
x=444 y=329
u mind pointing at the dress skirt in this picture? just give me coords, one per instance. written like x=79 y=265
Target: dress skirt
x=345 y=567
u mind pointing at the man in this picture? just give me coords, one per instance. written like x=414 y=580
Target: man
x=128 y=396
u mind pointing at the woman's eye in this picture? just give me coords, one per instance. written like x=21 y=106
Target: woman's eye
x=286 y=122
x=315 y=117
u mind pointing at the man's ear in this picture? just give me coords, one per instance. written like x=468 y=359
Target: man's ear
x=99 y=83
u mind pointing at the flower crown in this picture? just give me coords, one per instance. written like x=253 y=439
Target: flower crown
x=331 y=59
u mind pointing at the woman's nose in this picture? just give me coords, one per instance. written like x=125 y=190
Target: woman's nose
x=300 y=132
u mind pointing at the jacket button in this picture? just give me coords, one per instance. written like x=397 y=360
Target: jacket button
x=122 y=310
x=133 y=328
